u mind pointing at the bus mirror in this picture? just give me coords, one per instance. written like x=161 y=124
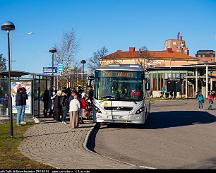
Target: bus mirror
x=115 y=85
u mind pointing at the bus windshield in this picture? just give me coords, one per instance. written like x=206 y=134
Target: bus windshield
x=118 y=88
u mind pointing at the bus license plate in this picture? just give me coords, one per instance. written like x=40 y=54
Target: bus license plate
x=116 y=117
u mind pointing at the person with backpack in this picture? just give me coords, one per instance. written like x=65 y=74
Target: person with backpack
x=200 y=100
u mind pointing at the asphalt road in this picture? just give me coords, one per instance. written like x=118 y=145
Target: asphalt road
x=176 y=136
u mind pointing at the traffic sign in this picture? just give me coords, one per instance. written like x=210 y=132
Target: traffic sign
x=50 y=69
x=60 y=67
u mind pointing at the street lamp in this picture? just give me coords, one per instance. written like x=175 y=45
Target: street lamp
x=83 y=62
x=52 y=50
x=8 y=26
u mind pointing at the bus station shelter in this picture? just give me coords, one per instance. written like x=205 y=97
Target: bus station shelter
x=35 y=85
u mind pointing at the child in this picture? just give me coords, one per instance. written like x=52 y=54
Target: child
x=210 y=99
x=200 y=100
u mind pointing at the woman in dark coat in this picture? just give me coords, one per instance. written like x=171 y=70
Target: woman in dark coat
x=57 y=106
x=46 y=98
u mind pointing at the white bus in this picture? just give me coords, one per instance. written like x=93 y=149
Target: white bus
x=119 y=94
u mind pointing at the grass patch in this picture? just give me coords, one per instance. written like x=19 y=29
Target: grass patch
x=11 y=158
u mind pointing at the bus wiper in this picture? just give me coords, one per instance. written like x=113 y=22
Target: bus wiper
x=134 y=101
x=108 y=97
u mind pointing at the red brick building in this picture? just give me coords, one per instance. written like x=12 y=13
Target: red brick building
x=148 y=58
x=176 y=45
x=205 y=56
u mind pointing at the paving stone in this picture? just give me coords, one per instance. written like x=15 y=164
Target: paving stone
x=55 y=144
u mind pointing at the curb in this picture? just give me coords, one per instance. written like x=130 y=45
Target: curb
x=85 y=143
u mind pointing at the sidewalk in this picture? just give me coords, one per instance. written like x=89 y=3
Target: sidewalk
x=59 y=146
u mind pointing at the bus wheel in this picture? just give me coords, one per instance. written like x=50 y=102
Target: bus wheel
x=146 y=114
x=97 y=125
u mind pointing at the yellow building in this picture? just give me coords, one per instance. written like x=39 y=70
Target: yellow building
x=174 y=72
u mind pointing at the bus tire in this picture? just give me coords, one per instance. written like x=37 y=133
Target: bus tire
x=97 y=125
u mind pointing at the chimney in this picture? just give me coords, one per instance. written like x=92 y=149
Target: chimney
x=178 y=35
x=169 y=49
x=131 y=49
x=140 y=50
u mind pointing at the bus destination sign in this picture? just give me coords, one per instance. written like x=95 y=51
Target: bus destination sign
x=118 y=74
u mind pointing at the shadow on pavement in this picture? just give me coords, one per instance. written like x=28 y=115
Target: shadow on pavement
x=168 y=119
x=178 y=118
x=157 y=120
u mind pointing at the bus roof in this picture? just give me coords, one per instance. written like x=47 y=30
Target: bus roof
x=124 y=67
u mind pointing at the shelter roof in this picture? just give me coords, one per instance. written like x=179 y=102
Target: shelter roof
x=14 y=73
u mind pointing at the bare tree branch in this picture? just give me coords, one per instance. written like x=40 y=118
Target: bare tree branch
x=67 y=50
x=93 y=62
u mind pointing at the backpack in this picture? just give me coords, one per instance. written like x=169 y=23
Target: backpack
x=200 y=98
x=25 y=95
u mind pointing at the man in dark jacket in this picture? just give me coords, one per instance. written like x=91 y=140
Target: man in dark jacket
x=65 y=105
x=24 y=98
x=46 y=98
x=19 y=105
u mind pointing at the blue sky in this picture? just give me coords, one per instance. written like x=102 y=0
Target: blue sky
x=116 y=24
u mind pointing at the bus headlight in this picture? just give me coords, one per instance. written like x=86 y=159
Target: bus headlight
x=140 y=110
x=97 y=109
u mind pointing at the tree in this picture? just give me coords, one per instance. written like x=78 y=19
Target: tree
x=3 y=66
x=67 y=50
x=144 y=57
x=66 y=55
x=94 y=60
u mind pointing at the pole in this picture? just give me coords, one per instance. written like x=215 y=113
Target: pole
x=9 y=88
x=206 y=93
x=196 y=80
x=52 y=80
x=83 y=75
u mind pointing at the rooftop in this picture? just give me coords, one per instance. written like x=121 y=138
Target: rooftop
x=149 y=54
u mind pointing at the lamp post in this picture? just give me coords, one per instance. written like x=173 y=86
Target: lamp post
x=52 y=50
x=83 y=62
x=8 y=26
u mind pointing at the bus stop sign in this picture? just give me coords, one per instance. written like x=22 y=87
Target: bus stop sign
x=60 y=68
x=49 y=69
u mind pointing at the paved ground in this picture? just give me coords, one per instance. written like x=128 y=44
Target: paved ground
x=176 y=136
x=55 y=144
